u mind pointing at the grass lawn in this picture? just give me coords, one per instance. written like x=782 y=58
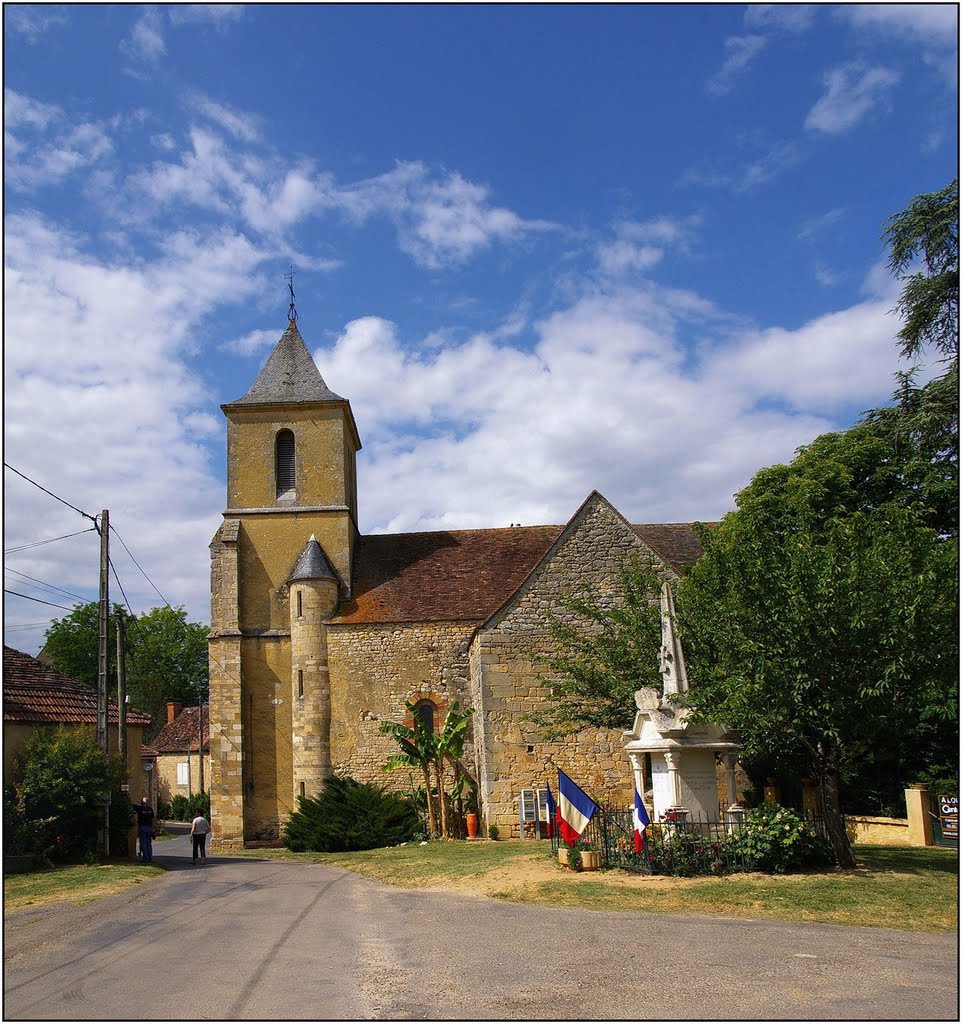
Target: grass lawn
x=893 y=887
x=74 y=883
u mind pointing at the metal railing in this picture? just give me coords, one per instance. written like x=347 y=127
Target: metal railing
x=695 y=845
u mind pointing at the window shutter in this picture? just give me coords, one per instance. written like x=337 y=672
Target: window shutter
x=284 y=462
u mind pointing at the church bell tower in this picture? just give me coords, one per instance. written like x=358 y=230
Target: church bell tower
x=280 y=565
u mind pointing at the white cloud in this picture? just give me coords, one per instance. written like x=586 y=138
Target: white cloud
x=43 y=146
x=816 y=226
x=146 y=39
x=927 y=23
x=102 y=348
x=637 y=247
x=780 y=17
x=741 y=51
x=243 y=126
x=851 y=92
x=33 y=21
x=603 y=395
x=250 y=344
x=218 y=15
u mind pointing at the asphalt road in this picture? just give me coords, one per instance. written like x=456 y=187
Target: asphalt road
x=242 y=939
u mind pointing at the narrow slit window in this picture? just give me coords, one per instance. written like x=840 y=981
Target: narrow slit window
x=300 y=606
x=284 y=464
x=300 y=682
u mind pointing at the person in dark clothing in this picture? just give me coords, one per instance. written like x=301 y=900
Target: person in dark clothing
x=145 y=829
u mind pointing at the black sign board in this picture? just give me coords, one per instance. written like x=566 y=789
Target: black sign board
x=949 y=817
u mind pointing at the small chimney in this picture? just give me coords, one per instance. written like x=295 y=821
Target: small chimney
x=174 y=708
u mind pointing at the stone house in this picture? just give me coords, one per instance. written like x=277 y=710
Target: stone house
x=37 y=696
x=172 y=754
x=319 y=633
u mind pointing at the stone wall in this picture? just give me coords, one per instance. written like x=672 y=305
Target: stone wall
x=165 y=772
x=374 y=669
x=509 y=682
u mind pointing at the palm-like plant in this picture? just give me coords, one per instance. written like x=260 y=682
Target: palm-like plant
x=418 y=749
x=430 y=752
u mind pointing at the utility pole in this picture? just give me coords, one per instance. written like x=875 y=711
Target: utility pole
x=200 y=743
x=121 y=690
x=103 y=837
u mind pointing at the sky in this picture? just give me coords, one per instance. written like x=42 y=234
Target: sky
x=542 y=249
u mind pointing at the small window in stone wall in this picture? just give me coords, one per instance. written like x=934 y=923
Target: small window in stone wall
x=183 y=774
x=300 y=605
x=427 y=711
x=300 y=683
x=303 y=791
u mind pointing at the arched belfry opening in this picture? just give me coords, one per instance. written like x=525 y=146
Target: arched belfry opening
x=284 y=465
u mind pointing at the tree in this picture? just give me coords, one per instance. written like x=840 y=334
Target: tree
x=602 y=653
x=927 y=231
x=166 y=654
x=820 y=621
x=58 y=778
x=923 y=243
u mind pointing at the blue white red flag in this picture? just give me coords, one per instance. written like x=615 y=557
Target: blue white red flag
x=552 y=809
x=642 y=821
x=575 y=809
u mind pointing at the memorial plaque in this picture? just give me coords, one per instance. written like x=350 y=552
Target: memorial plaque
x=661 y=796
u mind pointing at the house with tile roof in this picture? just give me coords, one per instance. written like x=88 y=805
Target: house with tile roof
x=319 y=633
x=37 y=696
x=172 y=753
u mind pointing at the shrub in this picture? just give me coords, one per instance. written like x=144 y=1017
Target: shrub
x=121 y=818
x=777 y=840
x=349 y=815
x=494 y=833
x=186 y=808
x=58 y=779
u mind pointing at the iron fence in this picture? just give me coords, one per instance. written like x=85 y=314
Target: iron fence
x=696 y=845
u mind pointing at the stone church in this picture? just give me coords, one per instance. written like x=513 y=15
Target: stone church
x=319 y=633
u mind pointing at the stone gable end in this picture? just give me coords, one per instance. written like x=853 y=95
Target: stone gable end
x=508 y=681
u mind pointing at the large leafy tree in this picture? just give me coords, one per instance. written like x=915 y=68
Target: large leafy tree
x=820 y=622
x=923 y=243
x=166 y=654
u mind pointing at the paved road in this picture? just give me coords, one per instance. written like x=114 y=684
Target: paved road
x=242 y=939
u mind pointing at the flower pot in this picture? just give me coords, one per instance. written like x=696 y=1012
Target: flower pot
x=590 y=860
x=472 y=822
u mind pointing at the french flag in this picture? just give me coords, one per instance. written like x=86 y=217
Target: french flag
x=552 y=809
x=575 y=809
x=641 y=821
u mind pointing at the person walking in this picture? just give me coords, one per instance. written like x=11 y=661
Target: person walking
x=199 y=830
x=145 y=829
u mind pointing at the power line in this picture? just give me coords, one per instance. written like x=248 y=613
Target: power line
x=49 y=586
x=86 y=515
x=134 y=560
x=37 y=599
x=39 y=543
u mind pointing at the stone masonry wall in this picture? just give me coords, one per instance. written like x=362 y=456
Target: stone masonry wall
x=374 y=670
x=508 y=681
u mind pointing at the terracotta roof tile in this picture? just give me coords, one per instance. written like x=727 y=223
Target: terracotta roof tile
x=676 y=543
x=180 y=735
x=35 y=692
x=466 y=575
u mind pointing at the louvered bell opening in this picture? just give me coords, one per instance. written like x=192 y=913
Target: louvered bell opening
x=284 y=464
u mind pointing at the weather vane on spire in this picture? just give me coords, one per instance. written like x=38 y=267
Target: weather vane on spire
x=291 y=311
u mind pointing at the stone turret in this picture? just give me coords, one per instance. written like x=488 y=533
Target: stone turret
x=313 y=589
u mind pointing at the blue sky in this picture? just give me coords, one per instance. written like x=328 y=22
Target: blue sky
x=542 y=249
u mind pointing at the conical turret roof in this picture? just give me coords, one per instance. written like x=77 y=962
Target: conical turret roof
x=289 y=375
x=312 y=564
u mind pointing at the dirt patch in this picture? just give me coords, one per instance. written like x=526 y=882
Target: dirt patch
x=534 y=869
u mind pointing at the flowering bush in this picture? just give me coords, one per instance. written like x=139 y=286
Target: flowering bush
x=776 y=840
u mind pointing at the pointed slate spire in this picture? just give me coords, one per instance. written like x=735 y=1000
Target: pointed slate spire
x=289 y=375
x=312 y=564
